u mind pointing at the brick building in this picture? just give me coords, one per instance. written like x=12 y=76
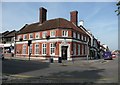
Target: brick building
x=53 y=38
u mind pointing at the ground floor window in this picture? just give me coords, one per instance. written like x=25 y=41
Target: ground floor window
x=36 y=48
x=52 y=48
x=30 y=48
x=44 y=49
x=78 y=49
x=24 y=49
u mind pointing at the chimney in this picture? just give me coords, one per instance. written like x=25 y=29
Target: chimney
x=74 y=17
x=43 y=13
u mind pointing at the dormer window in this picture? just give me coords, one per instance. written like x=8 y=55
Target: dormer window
x=65 y=33
x=31 y=36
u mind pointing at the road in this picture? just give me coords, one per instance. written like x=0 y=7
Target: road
x=34 y=71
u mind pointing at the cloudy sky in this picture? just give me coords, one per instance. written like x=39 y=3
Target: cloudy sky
x=99 y=17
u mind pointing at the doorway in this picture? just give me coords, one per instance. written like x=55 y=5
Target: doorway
x=64 y=52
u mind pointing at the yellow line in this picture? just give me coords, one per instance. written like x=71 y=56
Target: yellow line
x=21 y=76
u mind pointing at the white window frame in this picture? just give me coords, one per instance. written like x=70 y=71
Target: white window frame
x=44 y=50
x=51 y=33
x=74 y=49
x=31 y=46
x=37 y=49
x=78 y=49
x=78 y=36
x=81 y=37
x=65 y=33
x=19 y=36
x=24 y=49
x=37 y=34
x=52 y=49
x=74 y=34
x=24 y=37
x=44 y=34
x=30 y=35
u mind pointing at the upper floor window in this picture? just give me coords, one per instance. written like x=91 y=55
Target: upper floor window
x=78 y=36
x=31 y=36
x=52 y=33
x=25 y=36
x=85 y=38
x=65 y=33
x=37 y=35
x=19 y=37
x=74 y=35
x=44 y=34
x=81 y=37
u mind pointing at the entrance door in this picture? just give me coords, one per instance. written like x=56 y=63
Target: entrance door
x=64 y=52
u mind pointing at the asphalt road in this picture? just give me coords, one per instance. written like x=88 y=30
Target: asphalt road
x=34 y=71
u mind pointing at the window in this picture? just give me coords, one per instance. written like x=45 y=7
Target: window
x=44 y=49
x=78 y=49
x=78 y=36
x=31 y=36
x=24 y=49
x=74 y=49
x=52 y=49
x=19 y=37
x=52 y=33
x=25 y=36
x=36 y=48
x=74 y=35
x=31 y=48
x=82 y=49
x=37 y=35
x=44 y=34
x=81 y=37
x=65 y=33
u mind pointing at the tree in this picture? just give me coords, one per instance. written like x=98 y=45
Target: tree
x=118 y=10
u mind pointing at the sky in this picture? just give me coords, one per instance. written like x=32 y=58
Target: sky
x=99 y=17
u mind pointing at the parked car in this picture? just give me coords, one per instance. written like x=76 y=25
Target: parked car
x=107 y=55
x=113 y=55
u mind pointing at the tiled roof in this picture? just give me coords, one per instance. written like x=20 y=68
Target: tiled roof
x=49 y=24
x=10 y=34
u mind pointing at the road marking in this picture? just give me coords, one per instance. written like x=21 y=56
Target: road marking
x=21 y=76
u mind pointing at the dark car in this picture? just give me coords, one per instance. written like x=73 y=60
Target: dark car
x=107 y=55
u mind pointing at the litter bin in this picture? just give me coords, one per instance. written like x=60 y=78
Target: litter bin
x=60 y=60
x=51 y=60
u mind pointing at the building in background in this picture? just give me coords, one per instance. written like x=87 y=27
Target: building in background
x=7 y=42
